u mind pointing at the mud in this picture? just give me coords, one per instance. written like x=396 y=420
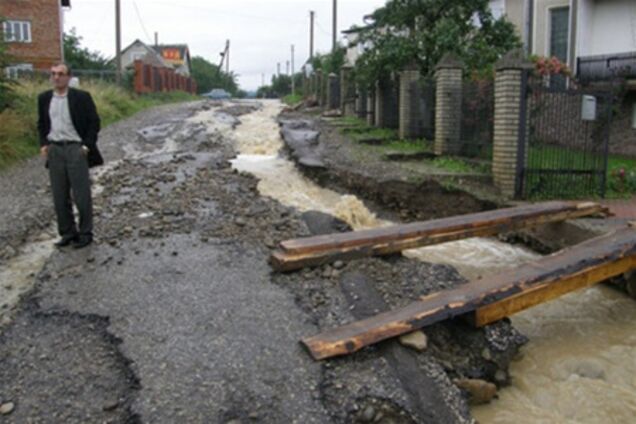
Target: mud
x=330 y=159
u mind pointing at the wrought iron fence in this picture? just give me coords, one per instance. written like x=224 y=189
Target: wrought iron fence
x=567 y=133
x=390 y=90
x=422 y=108
x=477 y=122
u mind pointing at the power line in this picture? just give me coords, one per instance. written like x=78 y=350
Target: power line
x=141 y=22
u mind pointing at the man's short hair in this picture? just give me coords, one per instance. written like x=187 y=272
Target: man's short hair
x=69 y=72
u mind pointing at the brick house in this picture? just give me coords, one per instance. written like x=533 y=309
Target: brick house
x=33 y=31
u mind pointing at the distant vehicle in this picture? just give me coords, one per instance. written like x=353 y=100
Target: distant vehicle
x=217 y=94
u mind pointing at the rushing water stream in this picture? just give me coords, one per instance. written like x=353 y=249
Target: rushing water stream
x=580 y=364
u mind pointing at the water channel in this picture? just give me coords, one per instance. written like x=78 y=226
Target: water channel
x=580 y=363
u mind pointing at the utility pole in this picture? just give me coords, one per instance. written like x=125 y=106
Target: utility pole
x=118 y=41
x=227 y=57
x=278 y=69
x=293 y=86
x=156 y=38
x=287 y=68
x=312 y=15
x=335 y=25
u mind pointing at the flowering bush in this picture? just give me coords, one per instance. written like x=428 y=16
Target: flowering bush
x=622 y=180
x=546 y=66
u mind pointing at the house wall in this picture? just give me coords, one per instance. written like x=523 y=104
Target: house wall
x=516 y=15
x=607 y=27
x=44 y=15
x=133 y=53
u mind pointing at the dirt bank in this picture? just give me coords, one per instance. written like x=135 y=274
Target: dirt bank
x=333 y=160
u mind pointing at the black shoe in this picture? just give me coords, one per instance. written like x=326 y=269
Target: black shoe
x=82 y=241
x=65 y=241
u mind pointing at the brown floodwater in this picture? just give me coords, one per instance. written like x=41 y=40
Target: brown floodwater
x=580 y=363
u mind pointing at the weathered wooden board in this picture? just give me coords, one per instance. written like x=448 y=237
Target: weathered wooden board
x=318 y=250
x=582 y=265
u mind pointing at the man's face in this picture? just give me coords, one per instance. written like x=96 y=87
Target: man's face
x=60 y=77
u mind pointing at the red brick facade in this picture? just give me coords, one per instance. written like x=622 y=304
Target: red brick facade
x=45 y=47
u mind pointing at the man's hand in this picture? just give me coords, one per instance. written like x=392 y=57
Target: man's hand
x=44 y=151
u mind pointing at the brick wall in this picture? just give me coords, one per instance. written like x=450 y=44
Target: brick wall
x=45 y=48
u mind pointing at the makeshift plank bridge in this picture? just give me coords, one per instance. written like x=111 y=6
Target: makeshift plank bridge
x=482 y=301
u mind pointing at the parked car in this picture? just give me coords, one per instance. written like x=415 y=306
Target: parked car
x=217 y=94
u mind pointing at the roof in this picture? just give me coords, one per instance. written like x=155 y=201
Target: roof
x=152 y=57
x=183 y=48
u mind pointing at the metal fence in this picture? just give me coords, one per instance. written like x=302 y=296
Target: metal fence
x=567 y=132
x=606 y=67
x=477 y=121
x=422 y=109
x=390 y=92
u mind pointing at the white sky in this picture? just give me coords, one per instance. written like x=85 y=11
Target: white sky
x=261 y=32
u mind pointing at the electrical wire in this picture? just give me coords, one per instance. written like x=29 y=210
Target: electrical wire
x=141 y=22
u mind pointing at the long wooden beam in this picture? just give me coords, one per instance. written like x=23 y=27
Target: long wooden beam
x=318 y=250
x=490 y=298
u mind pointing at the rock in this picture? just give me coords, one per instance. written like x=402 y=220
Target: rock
x=240 y=222
x=486 y=354
x=368 y=414
x=7 y=408
x=110 y=405
x=338 y=264
x=416 y=340
x=480 y=391
x=501 y=376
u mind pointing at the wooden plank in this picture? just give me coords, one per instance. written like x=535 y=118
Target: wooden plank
x=583 y=264
x=386 y=234
x=313 y=251
x=546 y=291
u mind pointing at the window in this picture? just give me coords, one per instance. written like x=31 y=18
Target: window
x=559 y=32
x=17 y=31
x=15 y=71
x=559 y=36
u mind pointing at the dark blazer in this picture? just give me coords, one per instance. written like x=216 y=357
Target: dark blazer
x=84 y=116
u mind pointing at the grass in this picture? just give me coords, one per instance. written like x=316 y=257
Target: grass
x=621 y=170
x=292 y=99
x=18 y=131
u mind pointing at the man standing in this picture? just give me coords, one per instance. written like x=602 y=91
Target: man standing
x=68 y=125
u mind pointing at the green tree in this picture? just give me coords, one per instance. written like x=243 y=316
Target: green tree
x=330 y=62
x=6 y=93
x=209 y=76
x=81 y=58
x=422 y=31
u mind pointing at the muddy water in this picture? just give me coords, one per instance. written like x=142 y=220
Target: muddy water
x=580 y=365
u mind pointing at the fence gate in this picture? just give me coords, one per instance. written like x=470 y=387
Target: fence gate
x=564 y=141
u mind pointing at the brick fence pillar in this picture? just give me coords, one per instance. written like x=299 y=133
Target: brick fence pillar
x=408 y=115
x=448 y=105
x=347 y=91
x=378 y=108
x=508 y=119
x=370 y=106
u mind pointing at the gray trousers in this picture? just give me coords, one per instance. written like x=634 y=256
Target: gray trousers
x=68 y=169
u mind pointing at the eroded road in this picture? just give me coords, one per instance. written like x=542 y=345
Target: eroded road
x=175 y=316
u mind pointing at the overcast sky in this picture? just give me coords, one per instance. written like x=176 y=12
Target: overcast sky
x=261 y=32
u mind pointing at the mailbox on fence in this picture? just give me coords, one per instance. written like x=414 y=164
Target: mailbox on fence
x=588 y=108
